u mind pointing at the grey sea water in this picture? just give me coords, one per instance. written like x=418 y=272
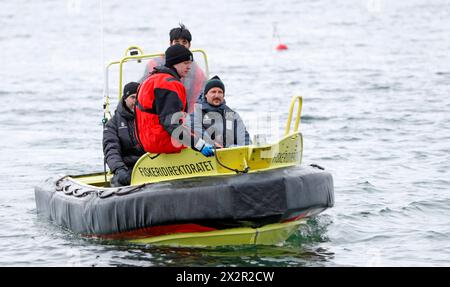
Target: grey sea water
x=375 y=81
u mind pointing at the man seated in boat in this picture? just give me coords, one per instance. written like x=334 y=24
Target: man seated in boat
x=120 y=146
x=216 y=122
x=161 y=107
x=195 y=79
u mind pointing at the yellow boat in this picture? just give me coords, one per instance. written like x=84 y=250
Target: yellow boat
x=257 y=194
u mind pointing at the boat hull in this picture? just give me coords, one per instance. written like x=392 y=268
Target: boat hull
x=270 y=234
x=258 y=208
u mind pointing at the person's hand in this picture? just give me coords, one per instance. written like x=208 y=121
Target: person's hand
x=207 y=150
x=123 y=176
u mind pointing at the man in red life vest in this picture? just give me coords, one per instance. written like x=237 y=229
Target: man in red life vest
x=194 y=81
x=161 y=107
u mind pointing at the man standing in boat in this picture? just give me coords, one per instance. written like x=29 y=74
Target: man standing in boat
x=194 y=80
x=216 y=122
x=161 y=107
x=120 y=146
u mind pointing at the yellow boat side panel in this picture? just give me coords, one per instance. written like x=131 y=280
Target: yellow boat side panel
x=95 y=179
x=286 y=152
x=163 y=167
x=189 y=163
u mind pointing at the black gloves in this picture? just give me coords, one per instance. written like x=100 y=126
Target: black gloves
x=121 y=177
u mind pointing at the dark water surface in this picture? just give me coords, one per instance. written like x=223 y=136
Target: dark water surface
x=374 y=76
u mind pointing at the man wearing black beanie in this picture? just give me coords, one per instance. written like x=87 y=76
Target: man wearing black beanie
x=176 y=54
x=216 y=122
x=120 y=146
x=161 y=107
x=214 y=82
x=179 y=59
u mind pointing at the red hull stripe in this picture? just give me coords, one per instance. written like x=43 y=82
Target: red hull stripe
x=295 y=218
x=158 y=231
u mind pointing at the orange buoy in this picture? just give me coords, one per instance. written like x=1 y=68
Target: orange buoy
x=282 y=47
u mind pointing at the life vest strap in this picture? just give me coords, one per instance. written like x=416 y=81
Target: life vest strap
x=142 y=109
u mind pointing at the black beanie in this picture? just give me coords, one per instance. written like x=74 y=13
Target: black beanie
x=129 y=89
x=214 y=82
x=177 y=54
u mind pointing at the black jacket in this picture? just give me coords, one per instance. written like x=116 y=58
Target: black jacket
x=219 y=124
x=120 y=147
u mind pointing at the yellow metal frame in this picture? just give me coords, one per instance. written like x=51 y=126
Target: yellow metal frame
x=131 y=48
x=138 y=57
x=291 y=110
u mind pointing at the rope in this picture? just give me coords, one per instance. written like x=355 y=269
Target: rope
x=237 y=171
x=317 y=166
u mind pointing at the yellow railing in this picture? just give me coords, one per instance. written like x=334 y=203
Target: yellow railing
x=291 y=110
x=131 y=48
x=130 y=56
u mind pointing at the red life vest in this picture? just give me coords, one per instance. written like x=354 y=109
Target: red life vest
x=151 y=133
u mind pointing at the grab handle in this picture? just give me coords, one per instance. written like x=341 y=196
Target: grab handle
x=131 y=51
x=291 y=110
